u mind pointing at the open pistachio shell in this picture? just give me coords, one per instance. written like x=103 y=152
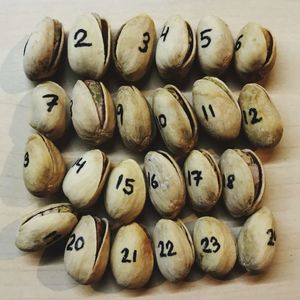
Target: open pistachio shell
x=137 y=129
x=134 y=47
x=175 y=119
x=45 y=226
x=165 y=183
x=215 y=45
x=255 y=52
x=132 y=256
x=44 y=166
x=215 y=246
x=89 y=46
x=216 y=109
x=49 y=110
x=174 y=249
x=257 y=241
x=243 y=181
x=203 y=180
x=262 y=122
x=174 y=59
x=43 y=49
x=93 y=111
x=87 y=250
x=84 y=181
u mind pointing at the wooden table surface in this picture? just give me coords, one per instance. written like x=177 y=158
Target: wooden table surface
x=41 y=275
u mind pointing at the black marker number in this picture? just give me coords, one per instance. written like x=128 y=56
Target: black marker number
x=78 y=243
x=120 y=112
x=214 y=247
x=53 y=101
x=211 y=111
x=146 y=41
x=238 y=43
x=205 y=38
x=272 y=238
x=230 y=180
x=169 y=247
x=81 y=35
x=128 y=189
x=79 y=164
x=71 y=106
x=125 y=253
x=196 y=175
x=152 y=182
x=26 y=160
x=162 y=120
x=165 y=32
x=252 y=112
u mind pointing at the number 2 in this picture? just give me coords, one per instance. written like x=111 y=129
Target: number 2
x=146 y=41
x=272 y=238
x=81 y=34
x=206 y=38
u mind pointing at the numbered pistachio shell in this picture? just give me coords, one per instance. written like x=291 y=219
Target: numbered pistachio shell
x=215 y=45
x=134 y=47
x=45 y=226
x=125 y=192
x=216 y=109
x=176 y=49
x=44 y=166
x=261 y=120
x=131 y=256
x=93 y=111
x=243 y=181
x=137 y=129
x=49 y=110
x=174 y=249
x=255 y=52
x=87 y=250
x=214 y=246
x=203 y=180
x=165 y=183
x=43 y=50
x=89 y=46
x=175 y=119
x=84 y=181
x=257 y=240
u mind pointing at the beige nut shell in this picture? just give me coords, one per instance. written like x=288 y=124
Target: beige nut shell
x=261 y=120
x=44 y=166
x=132 y=256
x=174 y=249
x=84 y=181
x=89 y=46
x=215 y=246
x=257 y=241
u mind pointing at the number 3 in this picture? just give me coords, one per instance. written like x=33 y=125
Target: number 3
x=146 y=41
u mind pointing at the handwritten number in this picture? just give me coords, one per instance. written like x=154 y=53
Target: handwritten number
x=196 y=176
x=146 y=41
x=164 y=32
x=162 y=120
x=152 y=182
x=53 y=102
x=128 y=189
x=120 y=113
x=238 y=43
x=77 y=243
x=79 y=164
x=230 y=180
x=169 y=246
x=125 y=253
x=211 y=111
x=214 y=244
x=252 y=112
x=71 y=106
x=272 y=238
x=26 y=160
x=205 y=38
x=81 y=34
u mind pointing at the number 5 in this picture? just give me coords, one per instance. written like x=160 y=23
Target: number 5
x=206 y=38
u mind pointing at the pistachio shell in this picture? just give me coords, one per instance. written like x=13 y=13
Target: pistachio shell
x=174 y=59
x=89 y=46
x=137 y=129
x=256 y=241
x=243 y=181
x=174 y=249
x=262 y=122
x=85 y=179
x=43 y=50
x=203 y=180
x=49 y=110
x=87 y=250
x=125 y=192
x=255 y=52
x=45 y=226
x=134 y=47
x=132 y=256
x=165 y=183
x=175 y=119
x=215 y=45
x=214 y=246
x=216 y=109
x=93 y=111
x=44 y=167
